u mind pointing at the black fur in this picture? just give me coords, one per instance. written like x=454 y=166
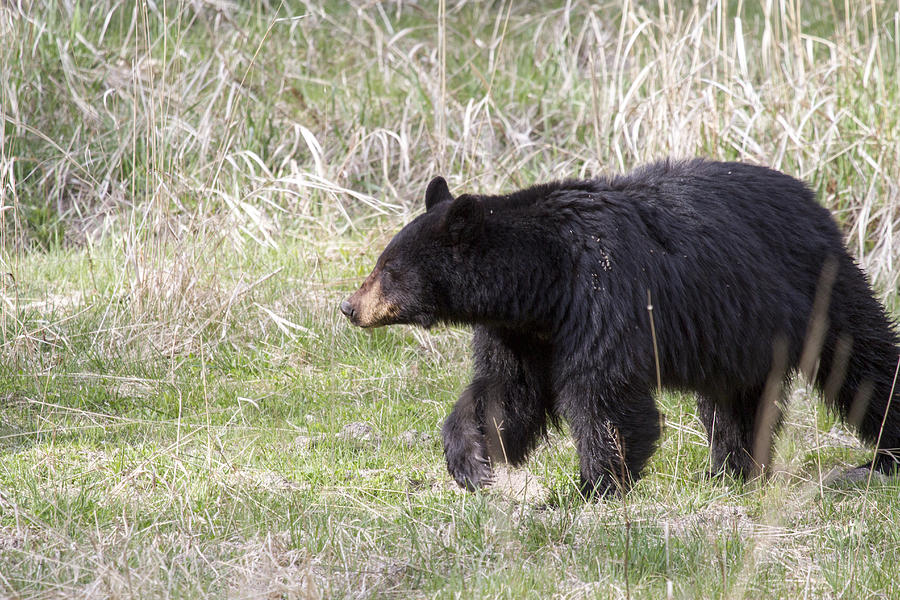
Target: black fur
x=555 y=280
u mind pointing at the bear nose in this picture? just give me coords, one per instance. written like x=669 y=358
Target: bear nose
x=347 y=309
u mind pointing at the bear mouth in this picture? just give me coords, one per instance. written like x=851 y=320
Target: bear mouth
x=368 y=308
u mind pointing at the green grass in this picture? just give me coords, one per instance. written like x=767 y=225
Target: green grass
x=187 y=190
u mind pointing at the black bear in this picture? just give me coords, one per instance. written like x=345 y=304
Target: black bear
x=748 y=279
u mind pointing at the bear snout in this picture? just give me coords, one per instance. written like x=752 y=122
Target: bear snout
x=348 y=310
x=368 y=306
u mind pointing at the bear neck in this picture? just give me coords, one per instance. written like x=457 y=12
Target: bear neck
x=512 y=279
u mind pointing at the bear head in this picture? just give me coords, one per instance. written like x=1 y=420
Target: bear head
x=413 y=279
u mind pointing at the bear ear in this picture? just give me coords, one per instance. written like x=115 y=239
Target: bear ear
x=436 y=193
x=464 y=220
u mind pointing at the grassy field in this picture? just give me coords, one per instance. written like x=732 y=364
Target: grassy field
x=188 y=189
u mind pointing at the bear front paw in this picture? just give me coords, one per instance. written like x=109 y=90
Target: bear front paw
x=470 y=471
x=464 y=450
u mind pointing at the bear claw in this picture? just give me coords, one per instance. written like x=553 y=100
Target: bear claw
x=471 y=472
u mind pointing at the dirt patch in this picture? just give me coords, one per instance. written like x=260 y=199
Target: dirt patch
x=267 y=480
x=360 y=432
x=413 y=438
x=306 y=441
x=518 y=484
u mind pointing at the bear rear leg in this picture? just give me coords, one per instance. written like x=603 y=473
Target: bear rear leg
x=740 y=427
x=857 y=378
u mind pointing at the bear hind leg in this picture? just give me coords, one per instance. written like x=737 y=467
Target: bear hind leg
x=741 y=427
x=857 y=380
x=728 y=447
